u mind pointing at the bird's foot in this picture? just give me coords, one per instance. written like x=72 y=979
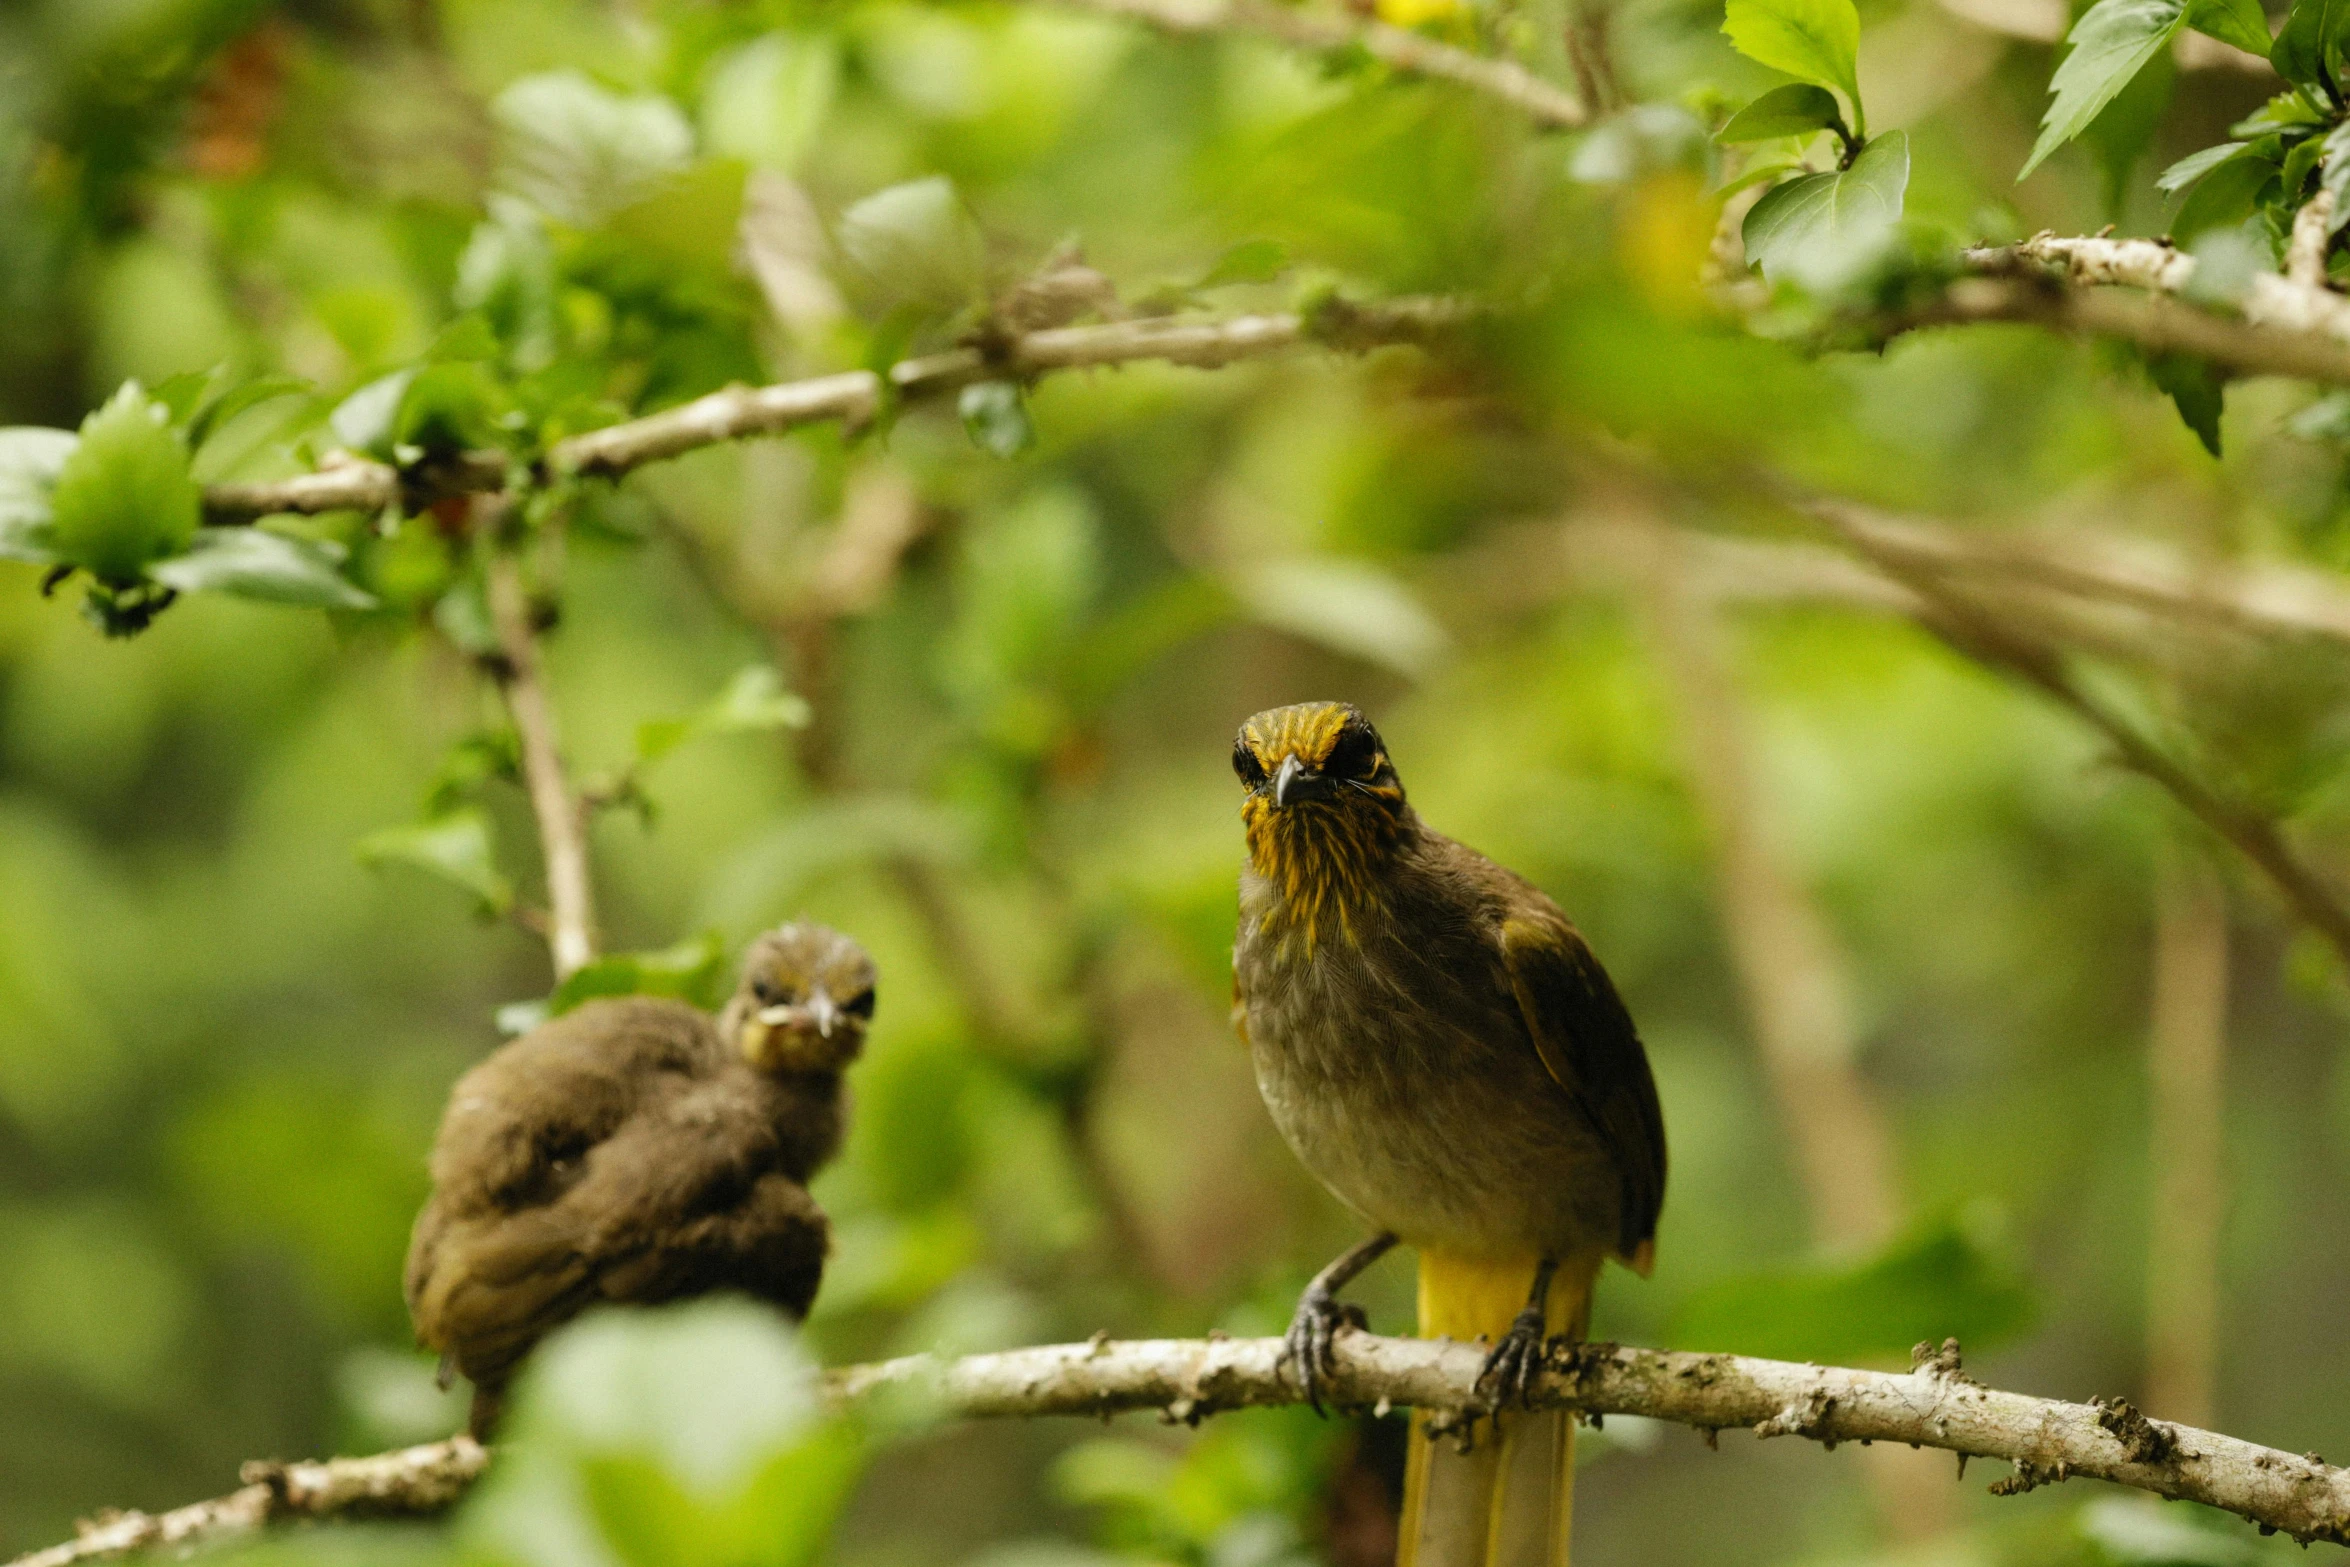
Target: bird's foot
x=1306 y=1347
x=1515 y=1365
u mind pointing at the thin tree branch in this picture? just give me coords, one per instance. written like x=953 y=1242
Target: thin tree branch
x=1543 y=101
x=1934 y=1404
x=2129 y=593
x=414 y=1481
x=358 y=484
x=1795 y=978
x=1967 y=626
x=571 y=904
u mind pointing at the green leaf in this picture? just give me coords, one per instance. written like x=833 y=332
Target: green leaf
x=2111 y=43
x=2239 y=23
x=995 y=416
x=915 y=244
x=124 y=495
x=1642 y=140
x=753 y=700
x=471 y=762
x=457 y=848
x=694 y=971
x=1814 y=40
x=765 y=102
x=577 y=153
x=2194 y=166
x=1349 y=606
x=2197 y=387
x=2225 y=196
x=365 y=420
x=711 y=1391
x=2124 y=129
x=1833 y=215
x=217 y=410
x=252 y=563
x=1797 y=109
x=2308 y=50
x=30 y=460
x=2284 y=111
x=2334 y=174
x=2293 y=177
x=1943 y=1279
x=1250 y=261
x=2138 y=1531
x=453 y=406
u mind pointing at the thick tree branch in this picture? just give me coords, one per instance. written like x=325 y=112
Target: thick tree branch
x=416 y=1480
x=359 y=484
x=562 y=818
x=2298 y=304
x=2261 y=342
x=1543 y=101
x=1934 y=1404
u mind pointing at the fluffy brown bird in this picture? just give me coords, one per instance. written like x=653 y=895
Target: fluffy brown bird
x=1440 y=1047
x=638 y=1150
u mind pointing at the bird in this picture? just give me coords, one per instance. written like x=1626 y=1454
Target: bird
x=1439 y=1046
x=638 y=1150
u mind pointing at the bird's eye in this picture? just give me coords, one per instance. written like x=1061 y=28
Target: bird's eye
x=764 y=992
x=859 y=1006
x=1355 y=754
x=1245 y=764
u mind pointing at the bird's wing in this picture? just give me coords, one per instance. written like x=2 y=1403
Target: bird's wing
x=519 y=1123
x=1588 y=1044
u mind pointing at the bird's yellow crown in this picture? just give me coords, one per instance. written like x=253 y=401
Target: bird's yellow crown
x=1324 y=810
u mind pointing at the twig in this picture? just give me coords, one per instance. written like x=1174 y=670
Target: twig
x=561 y=815
x=359 y=484
x=1965 y=625
x=1934 y=1404
x=1543 y=101
x=416 y=1480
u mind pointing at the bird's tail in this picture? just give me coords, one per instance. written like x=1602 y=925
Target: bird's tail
x=1509 y=1500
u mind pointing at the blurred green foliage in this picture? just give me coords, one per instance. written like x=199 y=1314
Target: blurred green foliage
x=964 y=683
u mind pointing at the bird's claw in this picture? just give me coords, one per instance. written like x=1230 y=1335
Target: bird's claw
x=1306 y=1347
x=1515 y=1365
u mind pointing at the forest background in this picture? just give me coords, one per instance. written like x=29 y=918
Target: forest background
x=1961 y=1028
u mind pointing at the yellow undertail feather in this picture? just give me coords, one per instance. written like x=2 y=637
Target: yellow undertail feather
x=1509 y=1500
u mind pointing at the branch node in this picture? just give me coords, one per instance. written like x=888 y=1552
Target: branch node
x=2030 y=1476
x=2142 y=1439
x=1807 y=1416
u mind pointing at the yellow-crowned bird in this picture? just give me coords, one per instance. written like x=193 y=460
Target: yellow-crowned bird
x=637 y=1150
x=1442 y=1050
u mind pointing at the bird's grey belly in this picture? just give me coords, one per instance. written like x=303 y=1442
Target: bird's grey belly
x=1443 y=1129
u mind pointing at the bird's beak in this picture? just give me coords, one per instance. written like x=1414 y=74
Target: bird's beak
x=1295 y=781
x=820 y=1007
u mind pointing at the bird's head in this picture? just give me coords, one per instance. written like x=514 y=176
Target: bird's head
x=804 y=1003
x=1324 y=807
